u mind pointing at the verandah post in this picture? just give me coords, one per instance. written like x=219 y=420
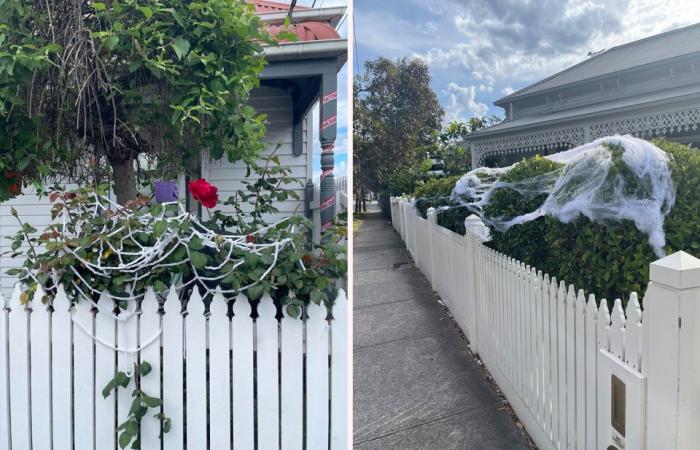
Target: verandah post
x=671 y=360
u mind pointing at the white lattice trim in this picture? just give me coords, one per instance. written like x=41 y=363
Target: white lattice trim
x=527 y=142
x=661 y=124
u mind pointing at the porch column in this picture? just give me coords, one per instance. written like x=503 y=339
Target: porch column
x=328 y=128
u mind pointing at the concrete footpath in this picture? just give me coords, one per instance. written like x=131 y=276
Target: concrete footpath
x=416 y=386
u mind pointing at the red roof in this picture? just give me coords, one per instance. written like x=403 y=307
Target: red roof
x=263 y=6
x=308 y=31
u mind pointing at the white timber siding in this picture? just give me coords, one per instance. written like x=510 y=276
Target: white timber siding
x=277 y=105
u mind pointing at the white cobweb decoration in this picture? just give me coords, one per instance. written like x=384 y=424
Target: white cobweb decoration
x=589 y=184
x=137 y=265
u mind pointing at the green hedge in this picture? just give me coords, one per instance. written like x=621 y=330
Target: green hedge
x=435 y=193
x=609 y=259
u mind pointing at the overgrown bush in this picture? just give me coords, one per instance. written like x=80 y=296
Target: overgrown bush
x=610 y=259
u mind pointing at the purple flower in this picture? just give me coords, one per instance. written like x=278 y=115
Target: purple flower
x=166 y=191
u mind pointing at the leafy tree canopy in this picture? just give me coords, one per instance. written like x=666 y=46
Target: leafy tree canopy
x=85 y=85
x=396 y=114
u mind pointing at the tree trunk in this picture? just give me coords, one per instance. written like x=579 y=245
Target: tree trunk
x=124 y=180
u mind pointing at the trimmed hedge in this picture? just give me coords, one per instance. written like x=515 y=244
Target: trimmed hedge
x=610 y=259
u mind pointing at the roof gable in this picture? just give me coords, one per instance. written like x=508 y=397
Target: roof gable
x=652 y=49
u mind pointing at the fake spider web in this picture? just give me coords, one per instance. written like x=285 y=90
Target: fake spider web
x=138 y=264
x=610 y=179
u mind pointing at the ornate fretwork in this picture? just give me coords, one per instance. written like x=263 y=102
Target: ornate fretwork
x=661 y=124
x=555 y=138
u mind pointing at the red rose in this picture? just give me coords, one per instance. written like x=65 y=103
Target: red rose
x=250 y=238
x=204 y=192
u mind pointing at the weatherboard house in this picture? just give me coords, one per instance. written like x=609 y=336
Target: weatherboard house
x=647 y=88
x=299 y=75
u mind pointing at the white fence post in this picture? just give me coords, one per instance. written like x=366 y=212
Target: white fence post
x=672 y=360
x=432 y=224
x=472 y=280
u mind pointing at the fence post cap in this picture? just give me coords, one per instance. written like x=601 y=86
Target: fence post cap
x=473 y=218
x=679 y=270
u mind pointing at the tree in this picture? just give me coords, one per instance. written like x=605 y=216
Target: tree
x=88 y=89
x=396 y=113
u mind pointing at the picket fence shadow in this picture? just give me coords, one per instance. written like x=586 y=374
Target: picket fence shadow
x=556 y=353
x=227 y=380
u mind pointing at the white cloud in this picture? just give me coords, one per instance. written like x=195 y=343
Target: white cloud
x=461 y=103
x=507 y=91
x=510 y=41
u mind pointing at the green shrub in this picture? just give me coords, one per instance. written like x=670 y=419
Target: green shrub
x=610 y=259
x=435 y=193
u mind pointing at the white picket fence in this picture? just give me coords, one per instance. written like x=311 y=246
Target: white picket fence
x=556 y=354
x=253 y=384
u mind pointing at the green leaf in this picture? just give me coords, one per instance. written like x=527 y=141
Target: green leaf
x=159 y=228
x=181 y=47
x=315 y=296
x=167 y=424
x=146 y=11
x=198 y=259
x=255 y=292
x=151 y=402
x=321 y=282
x=124 y=439
x=111 y=41
x=109 y=388
x=293 y=311
x=122 y=380
x=196 y=243
x=145 y=368
x=99 y=6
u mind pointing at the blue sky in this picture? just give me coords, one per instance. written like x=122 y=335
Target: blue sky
x=480 y=50
x=341 y=143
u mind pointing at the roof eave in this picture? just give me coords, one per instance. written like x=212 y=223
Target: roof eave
x=332 y=15
x=487 y=133
x=330 y=48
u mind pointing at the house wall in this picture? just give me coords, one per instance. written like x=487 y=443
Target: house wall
x=274 y=102
x=277 y=104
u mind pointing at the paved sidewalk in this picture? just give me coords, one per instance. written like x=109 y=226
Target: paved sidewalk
x=415 y=384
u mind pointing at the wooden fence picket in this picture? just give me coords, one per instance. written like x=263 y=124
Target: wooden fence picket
x=317 y=371
x=149 y=323
x=591 y=371
x=83 y=380
x=19 y=377
x=580 y=369
x=219 y=373
x=267 y=334
x=61 y=325
x=570 y=379
x=105 y=370
x=291 y=383
x=4 y=378
x=196 y=372
x=41 y=365
x=242 y=362
x=173 y=359
x=339 y=370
